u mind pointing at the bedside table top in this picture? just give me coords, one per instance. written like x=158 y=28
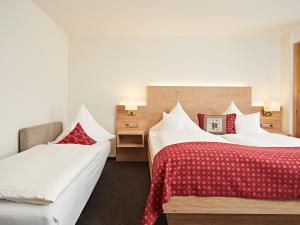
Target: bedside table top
x=133 y=132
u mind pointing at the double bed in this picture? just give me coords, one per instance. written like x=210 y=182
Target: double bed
x=68 y=192
x=192 y=210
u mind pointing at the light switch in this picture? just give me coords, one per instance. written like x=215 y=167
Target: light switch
x=267 y=125
x=133 y=124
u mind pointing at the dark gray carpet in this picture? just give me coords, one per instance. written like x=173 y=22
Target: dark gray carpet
x=120 y=195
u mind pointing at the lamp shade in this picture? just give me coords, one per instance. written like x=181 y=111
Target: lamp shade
x=272 y=107
x=131 y=106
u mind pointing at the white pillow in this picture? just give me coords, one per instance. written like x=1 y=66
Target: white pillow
x=232 y=109
x=188 y=124
x=171 y=122
x=89 y=125
x=157 y=126
x=249 y=123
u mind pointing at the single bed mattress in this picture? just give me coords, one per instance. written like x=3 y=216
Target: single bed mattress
x=66 y=209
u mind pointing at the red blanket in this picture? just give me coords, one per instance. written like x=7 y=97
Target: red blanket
x=226 y=170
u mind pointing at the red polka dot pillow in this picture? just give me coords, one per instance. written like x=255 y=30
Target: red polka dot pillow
x=77 y=136
x=221 y=124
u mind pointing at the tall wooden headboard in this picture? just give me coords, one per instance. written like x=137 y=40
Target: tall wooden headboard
x=210 y=100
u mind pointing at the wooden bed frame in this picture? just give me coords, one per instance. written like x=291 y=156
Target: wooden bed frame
x=215 y=210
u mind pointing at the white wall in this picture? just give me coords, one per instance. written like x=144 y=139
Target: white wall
x=33 y=71
x=296 y=35
x=105 y=72
x=286 y=82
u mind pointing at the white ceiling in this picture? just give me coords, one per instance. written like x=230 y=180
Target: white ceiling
x=94 y=18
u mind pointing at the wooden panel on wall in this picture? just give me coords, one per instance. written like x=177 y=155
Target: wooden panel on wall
x=122 y=117
x=275 y=119
x=296 y=91
x=210 y=100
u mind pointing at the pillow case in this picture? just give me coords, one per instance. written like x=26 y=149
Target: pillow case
x=89 y=125
x=232 y=109
x=188 y=123
x=77 y=136
x=180 y=117
x=249 y=123
x=157 y=126
x=229 y=122
x=171 y=122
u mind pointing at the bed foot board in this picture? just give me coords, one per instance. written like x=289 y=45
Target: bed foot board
x=233 y=219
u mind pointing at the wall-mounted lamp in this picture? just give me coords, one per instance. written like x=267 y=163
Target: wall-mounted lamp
x=270 y=107
x=131 y=108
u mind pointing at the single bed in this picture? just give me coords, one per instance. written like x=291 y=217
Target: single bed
x=193 y=210
x=66 y=209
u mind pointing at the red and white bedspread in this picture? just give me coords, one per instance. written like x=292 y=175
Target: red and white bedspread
x=210 y=169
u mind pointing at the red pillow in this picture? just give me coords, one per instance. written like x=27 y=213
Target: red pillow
x=230 y=122
x=77 y=136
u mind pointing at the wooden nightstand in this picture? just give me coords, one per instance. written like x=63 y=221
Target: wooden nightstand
x=130 y=139
x=130 y=145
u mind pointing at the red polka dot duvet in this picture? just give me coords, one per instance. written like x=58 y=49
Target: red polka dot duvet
x=210 y=169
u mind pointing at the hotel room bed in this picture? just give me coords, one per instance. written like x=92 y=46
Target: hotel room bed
x=66 y=208
x=188 y=209
x=211 y=210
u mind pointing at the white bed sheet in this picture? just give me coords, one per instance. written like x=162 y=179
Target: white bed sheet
x=160 y=139
x=67 y=207
x=154 y=144
x=263 y=140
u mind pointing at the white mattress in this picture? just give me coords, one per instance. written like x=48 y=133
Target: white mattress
x=263 y=140
x=67 y=207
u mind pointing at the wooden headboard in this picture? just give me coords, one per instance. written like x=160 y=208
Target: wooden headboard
x=210 y=100
x=41 y=134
